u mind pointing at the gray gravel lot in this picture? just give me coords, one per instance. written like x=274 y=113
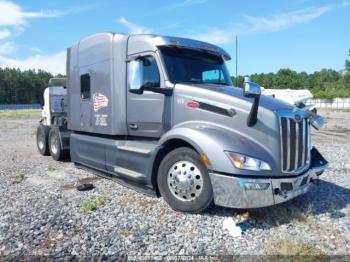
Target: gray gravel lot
x=41 y=212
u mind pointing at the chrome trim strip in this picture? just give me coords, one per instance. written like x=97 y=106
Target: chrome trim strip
x=296 y=160
x=134 y=149
x=309 y=143
x=303 y=141
x=127 y=172
x=281 y=141
x=288 y=144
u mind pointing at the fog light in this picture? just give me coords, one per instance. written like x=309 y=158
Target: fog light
x=256 y=186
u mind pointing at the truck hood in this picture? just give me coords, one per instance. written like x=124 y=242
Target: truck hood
x=268 y=102
x=225 y=110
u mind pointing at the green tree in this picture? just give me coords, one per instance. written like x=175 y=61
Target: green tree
x=347 y=74
x=17 y=87
x=347 y=64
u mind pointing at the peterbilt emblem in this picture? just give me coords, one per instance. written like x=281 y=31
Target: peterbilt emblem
x=298 y=118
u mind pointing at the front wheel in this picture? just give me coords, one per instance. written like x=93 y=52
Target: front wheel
x=183 y=181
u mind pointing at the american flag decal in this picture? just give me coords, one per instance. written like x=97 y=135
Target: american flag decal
x=100 y=101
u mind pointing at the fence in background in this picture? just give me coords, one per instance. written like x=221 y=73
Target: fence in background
x=335 y=103
x=20 y=106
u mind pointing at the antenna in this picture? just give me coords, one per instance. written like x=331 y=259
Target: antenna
x=236 y=80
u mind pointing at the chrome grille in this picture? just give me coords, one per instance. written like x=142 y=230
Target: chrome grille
x=295 y=140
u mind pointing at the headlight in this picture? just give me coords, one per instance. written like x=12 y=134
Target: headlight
x=246 y=162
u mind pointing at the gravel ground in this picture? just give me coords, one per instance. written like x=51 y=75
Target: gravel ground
x=41 y=212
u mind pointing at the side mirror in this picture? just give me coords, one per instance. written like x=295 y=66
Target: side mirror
x=135 y=76
x=251 y=89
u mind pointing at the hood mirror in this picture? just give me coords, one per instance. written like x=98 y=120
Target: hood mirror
x=317 y=121
x=251 y=89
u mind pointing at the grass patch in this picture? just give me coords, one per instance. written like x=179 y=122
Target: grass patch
x=289 y=247
x=89 y=205
x=51 y=168
x=101 y=199
x=305 y=217
x=20 y=113
x=18 y=179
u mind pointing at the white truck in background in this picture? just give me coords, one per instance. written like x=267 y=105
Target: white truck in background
x=291 y=96
x=54 y=101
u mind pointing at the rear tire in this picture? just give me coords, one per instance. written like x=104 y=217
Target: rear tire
x=42 y=135
x=184 y=182
x=56 y=150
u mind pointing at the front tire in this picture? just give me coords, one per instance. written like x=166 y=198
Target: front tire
x=184 y=182
x=56 y=150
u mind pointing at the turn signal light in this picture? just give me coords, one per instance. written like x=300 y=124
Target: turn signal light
x=206 y=160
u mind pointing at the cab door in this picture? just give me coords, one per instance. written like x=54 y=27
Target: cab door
x=145 y=109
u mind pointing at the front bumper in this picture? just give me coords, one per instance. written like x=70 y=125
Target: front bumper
x=230 y=190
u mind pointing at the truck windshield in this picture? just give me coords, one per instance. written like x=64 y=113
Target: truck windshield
x=194 y=66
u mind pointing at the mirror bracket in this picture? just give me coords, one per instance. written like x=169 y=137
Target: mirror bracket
x=136 y=91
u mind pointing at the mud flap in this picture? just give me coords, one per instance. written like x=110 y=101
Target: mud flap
x=317 y=160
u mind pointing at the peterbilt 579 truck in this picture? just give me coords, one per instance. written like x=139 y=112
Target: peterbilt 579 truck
x=161 y=115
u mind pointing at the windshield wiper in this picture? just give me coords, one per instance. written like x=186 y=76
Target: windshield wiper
x=223 y=84
x=200 y=82
x=189 y=81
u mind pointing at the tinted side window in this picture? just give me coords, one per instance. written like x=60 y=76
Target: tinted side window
x=85 y=88
x=151 y=76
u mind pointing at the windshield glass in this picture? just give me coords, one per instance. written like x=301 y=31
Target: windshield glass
x=193 y=66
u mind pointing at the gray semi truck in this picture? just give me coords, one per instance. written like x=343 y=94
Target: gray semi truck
x=160 y=114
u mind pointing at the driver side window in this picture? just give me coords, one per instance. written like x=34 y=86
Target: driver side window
x=143 y=73
x=151 y=77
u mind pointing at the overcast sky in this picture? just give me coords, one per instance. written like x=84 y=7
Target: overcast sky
x=304 y=35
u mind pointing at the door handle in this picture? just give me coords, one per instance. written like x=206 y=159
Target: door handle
x=133 y=126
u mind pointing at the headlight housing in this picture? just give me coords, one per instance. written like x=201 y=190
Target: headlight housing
x=246 y=162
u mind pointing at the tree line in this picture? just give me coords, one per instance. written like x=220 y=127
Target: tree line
x=326 y=83
x=27 y=87
x=22 y=87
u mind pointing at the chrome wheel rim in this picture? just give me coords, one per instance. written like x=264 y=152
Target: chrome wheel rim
x=54 y=144
x=185 y=181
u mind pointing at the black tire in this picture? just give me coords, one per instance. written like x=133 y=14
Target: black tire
x=187 y=197
x=42 y=135
x=55 y=145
